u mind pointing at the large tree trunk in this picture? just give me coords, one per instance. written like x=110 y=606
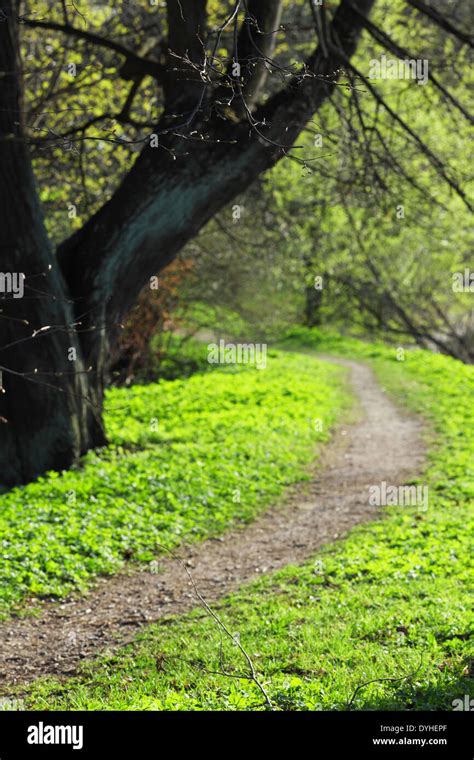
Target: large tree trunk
x=46 y=418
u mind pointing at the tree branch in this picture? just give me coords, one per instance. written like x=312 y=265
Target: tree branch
x=389 y=44
x=434 y=160
x=441 y=21
x=139 y=64
x=186 y=51
x=254 y=47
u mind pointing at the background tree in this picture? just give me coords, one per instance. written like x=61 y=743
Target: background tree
x=204 y=97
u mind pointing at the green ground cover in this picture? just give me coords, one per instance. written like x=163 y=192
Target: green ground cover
x=380 y=620
x=187 y=457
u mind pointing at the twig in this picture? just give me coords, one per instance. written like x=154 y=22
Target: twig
x=379 y=680
x=222 y=627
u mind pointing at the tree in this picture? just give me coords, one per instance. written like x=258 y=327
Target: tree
x=222 y=123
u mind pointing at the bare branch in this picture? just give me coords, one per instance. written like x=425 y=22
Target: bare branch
x=434 y=160
x=389 y=44
x=186 y=50
x=441 y=21
x=144 y=65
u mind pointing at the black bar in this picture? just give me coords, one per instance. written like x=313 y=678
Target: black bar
x=140 y=735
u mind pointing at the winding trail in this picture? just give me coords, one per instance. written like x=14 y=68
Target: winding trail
x=383 y=445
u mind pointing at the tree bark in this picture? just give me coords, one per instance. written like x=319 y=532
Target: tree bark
x=312 y=307
x=46 y=420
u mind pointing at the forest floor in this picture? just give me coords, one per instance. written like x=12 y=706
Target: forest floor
x=384 y=443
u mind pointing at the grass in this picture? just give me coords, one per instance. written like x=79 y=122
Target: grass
x=187 y=458
x=380 y=620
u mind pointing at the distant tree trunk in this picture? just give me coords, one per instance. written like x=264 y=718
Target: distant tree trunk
x=313 y=303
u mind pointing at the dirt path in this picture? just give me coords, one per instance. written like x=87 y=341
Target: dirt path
x=384 y=444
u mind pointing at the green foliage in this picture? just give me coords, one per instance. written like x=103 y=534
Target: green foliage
x=390 y=602
x=180 y=451
x=365 y=164
x=181 y=357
